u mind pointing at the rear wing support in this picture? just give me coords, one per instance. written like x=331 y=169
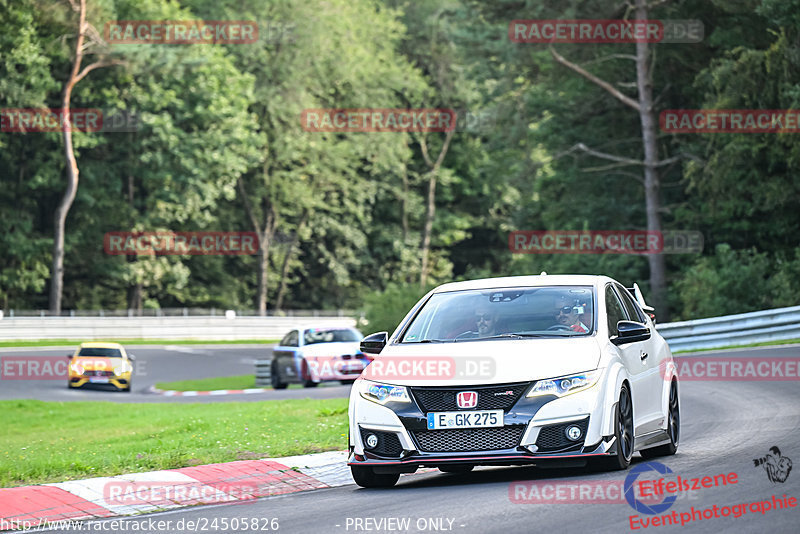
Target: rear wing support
x=637 y=294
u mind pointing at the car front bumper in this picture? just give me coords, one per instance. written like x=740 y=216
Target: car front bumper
x=120 y=382
x=533 y=432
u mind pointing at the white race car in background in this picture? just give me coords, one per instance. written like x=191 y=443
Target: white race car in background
x=552 y=370
x=309 y=356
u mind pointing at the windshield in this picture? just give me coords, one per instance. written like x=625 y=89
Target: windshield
x=101 y=352
x=316 y=335
x=507 y=313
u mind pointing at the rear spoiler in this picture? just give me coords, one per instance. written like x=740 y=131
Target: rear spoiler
x=637 y=294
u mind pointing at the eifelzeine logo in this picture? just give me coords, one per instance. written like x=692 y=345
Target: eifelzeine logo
x=378 y=120
x=179 y=243
x=181 y=32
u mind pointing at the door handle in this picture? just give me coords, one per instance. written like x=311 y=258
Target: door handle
x=644 y=356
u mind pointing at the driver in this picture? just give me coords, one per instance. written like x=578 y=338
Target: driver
x=569 y=316
x=485 y=322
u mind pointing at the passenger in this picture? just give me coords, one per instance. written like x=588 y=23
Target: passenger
x=568 y=315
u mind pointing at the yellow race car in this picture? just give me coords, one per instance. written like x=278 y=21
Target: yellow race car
x=101 y=363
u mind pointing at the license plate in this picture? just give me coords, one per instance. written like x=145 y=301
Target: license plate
x=98 y=380
x=476 y=419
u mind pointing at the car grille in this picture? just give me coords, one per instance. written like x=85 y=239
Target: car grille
x=489 y=397
x=98 y=373
x=553 y=438
x=469 y=439
x=388 y=443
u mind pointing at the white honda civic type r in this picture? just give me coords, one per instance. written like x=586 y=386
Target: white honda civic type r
x=548 y=370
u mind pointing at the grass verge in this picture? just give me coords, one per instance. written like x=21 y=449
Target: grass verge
x=73 y=342
x=220 y=382
x=57 y=441
x=761 y=344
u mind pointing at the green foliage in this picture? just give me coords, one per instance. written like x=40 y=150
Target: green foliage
x=384 y=309
x=219 y=124
x=737 y=281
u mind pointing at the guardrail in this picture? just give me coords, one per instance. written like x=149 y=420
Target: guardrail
x=200 y=328
x=175 y=312
x=740 y=329
x=263 y=373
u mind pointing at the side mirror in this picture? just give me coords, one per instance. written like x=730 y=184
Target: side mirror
x=131 y=357
x=69 y=356
x=630 y=332
x=374 y=343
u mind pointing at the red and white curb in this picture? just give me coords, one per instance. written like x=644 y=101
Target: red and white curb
x=163 y=490
x=176 y=393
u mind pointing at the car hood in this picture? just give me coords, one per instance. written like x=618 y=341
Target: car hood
x=331 y=349
x=95 y=363
x=483 y=362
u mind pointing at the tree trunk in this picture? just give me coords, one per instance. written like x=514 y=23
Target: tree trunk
x=264 y=239
x=136 y=289
x=652 y=186
x=265 y=235
x=430 y=211
x=263 y=272
x=286 y=259
x=57 y=275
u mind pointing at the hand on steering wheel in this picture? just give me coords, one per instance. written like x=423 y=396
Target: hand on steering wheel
x=560 y=328
x=469 y=333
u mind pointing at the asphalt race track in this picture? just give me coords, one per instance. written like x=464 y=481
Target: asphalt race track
x=162 y=364
x=725 y=426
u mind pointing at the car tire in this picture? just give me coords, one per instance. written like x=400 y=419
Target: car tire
x=275 y=379
x=366 y=477
x=456 y=469
x=305 y=374
x=623 y=432
x=673 y=427
x=346 y=382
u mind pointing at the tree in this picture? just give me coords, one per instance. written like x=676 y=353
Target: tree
x=76 y=75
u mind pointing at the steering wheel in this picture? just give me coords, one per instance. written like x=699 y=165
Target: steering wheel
x=560 y=328
x=468 y=333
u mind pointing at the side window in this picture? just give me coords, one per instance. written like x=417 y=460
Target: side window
x=633 y=310
x=614 y=310
x=285 y=341
x=293 y=339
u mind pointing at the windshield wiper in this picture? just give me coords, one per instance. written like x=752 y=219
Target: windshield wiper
x=433 y=341
x=515 y=336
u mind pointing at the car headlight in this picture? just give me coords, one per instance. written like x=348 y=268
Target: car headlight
x=382 y=393
x=76 y=368
x=565 y=385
